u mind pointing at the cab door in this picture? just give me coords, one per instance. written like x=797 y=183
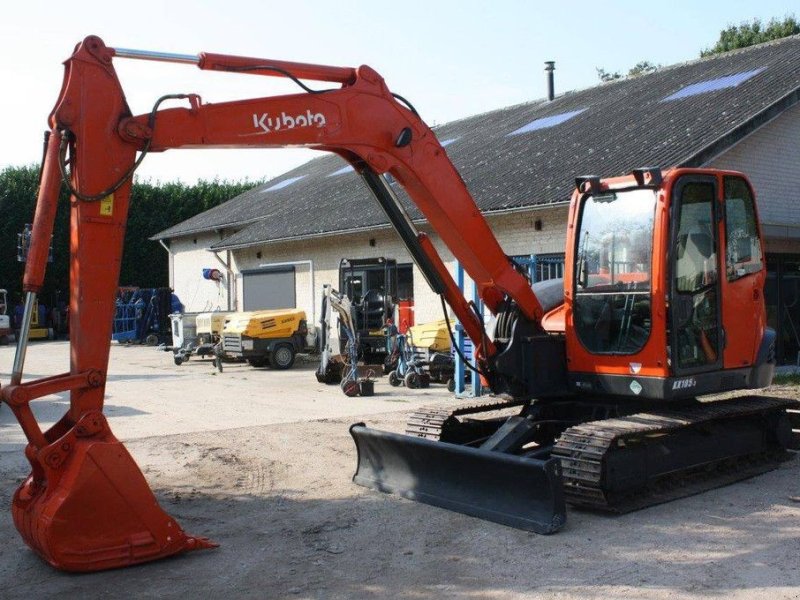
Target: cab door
x=743 y=313
x=695 y=309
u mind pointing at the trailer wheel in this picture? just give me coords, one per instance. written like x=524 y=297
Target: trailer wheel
x=394 y=380
x=413 y=380
x=151 y=340
x=178 y=360
x=451 y=385
x=282 y=357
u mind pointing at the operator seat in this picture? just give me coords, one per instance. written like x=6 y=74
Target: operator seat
x=695 y=259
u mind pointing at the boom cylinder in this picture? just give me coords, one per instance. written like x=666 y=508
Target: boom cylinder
x=44 y=217
x=39 y=247
x=22 y=338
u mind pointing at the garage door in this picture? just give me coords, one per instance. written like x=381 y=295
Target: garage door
x=268 y=288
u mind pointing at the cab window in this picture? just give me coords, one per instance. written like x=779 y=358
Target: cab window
x=743 y=254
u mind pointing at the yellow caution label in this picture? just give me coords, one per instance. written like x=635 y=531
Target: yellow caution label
x=107 y=206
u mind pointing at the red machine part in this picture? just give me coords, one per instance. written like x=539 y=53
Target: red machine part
x=86 y=505
x=405 y=315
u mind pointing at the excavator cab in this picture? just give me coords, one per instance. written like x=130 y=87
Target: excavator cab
x=663 y=286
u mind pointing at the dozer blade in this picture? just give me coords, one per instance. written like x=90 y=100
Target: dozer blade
x=87 y=507
x=519 y=492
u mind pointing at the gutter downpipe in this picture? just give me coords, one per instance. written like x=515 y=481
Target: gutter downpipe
x=171 y=265
x=231 y=279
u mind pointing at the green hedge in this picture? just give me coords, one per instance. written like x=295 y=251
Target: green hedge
x=154 y=207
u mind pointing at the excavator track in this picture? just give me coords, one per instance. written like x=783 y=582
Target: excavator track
x=432 y=422
x=628 y=463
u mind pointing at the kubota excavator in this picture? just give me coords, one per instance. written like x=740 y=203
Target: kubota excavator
x=661 y=302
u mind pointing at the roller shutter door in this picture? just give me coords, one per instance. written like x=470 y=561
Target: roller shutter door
x=269 y=288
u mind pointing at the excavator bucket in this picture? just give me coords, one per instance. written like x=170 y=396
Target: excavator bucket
x=519 y=492
x=87 y=507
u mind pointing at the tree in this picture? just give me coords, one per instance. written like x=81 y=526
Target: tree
x=604 y=75
x=643 y=67
x=750 y=33
x=153 y=208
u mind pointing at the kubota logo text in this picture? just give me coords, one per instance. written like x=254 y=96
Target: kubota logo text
x=284 y=121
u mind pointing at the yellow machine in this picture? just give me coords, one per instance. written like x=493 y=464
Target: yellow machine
x=265 y=337
x=430 y=344
x=431 y=336
x=39 y=329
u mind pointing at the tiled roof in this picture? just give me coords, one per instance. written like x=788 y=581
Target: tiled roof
x=528 y=155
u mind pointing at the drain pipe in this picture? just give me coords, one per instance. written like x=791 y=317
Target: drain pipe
x=231 y=277
x=293 y=263
x=171 y=265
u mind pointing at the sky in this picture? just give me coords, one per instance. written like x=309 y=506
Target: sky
x=450 y=58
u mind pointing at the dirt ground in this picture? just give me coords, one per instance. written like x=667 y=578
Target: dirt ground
x=261 y=462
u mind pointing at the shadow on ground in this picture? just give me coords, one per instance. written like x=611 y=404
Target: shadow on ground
x=372 y=545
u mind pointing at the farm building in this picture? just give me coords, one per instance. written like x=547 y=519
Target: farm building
x=277 y=244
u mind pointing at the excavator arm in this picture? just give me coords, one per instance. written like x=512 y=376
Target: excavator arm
x=86 y=505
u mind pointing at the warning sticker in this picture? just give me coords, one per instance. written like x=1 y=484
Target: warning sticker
x=107 y=206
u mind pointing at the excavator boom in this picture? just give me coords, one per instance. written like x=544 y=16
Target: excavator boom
x=86 y=505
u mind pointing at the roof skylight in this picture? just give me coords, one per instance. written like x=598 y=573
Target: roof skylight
x=546 y=122
x=712 y=85
x=282 y=184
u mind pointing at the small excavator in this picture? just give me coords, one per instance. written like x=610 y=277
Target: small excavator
x=603 y=372
x=341 y=368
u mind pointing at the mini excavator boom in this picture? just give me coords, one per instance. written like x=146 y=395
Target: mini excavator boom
x=649 y=316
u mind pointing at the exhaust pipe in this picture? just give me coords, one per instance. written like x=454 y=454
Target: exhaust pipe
x=549 y=68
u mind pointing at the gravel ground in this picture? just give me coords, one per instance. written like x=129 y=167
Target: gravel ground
x=261 y=461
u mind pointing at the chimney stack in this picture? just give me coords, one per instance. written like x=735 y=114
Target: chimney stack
x=550 y=66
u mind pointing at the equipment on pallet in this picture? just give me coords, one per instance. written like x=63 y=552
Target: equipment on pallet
x=143 y=316
x=661 y=303
x=266 y=337
x=196 y=334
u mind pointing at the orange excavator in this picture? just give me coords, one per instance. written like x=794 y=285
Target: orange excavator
x=661 y=302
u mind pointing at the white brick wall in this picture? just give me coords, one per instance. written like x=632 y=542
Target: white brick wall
x=188 y=257
x=770 y=157
x=515 y=232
